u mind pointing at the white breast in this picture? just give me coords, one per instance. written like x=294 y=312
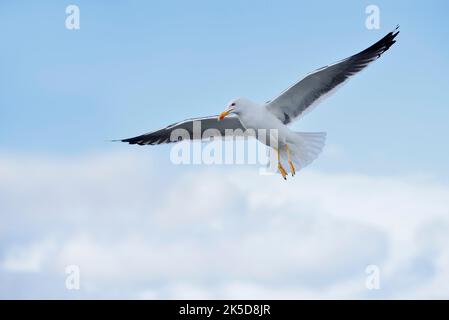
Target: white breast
x=258 y=117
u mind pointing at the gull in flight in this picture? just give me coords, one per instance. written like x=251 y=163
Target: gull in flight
x=298 y=149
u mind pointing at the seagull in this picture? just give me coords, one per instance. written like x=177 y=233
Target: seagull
x=298 y=149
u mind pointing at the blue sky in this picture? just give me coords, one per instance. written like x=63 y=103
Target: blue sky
x=139 y=65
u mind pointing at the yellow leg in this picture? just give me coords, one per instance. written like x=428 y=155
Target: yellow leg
x=292 y=167
x=280 y=167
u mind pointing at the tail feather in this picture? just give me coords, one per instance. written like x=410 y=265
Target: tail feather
x=304 y=147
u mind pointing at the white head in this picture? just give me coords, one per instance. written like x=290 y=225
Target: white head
x=236 y=106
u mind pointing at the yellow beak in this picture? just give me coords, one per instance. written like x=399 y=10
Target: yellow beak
x=223 y=114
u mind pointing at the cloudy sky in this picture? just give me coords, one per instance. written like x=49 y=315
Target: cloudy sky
x=138 y=226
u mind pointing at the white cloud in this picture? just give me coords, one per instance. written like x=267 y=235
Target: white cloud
x=139 y=229
x=28 y=258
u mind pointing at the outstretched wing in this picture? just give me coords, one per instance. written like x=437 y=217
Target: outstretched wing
x=191 y=129
x=302 y=96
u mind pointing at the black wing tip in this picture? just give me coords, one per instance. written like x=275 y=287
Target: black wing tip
x=139 y=140
x=381 y=46
x=122 y=140
x=135 y=140
x=390 y=38
x=145 y=139
x=396 y=30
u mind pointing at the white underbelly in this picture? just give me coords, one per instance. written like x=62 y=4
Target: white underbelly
x=268 y=129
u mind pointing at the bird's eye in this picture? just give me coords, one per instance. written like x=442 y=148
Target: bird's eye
x=233 y=104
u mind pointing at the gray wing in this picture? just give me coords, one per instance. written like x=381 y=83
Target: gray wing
x=303 y=95
x=191 y=129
